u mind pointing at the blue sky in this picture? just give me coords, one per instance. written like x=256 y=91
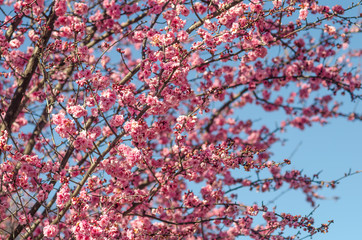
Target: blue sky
x=334 y=149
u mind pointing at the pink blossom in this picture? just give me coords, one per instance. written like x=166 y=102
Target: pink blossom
x=303 y=13
x=277 y=3
x=255 y=7
x=15 y=43
x=199 y=7
x=157 y=9
x=80 y=8
x=42 y=196
x=77 y=111
x=63 y=196
x=3 y=141
x=331 y=30
x=183 y=10
x=108 y=99
x=25 y=219
x=338 y=9
x=139 y=36
x=82 y=142
x=117 y=120
x=182 y=36
x=60 y=7
x=50 y=231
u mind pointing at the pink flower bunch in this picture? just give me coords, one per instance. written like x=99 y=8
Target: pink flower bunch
x=63 y=196
x=50 y=231
x=60 y=7
x=64 y=127
x=83 y=142
x=3 y=142
x=77 y=111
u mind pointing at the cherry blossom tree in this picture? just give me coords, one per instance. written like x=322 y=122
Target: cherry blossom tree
x=112 y=112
